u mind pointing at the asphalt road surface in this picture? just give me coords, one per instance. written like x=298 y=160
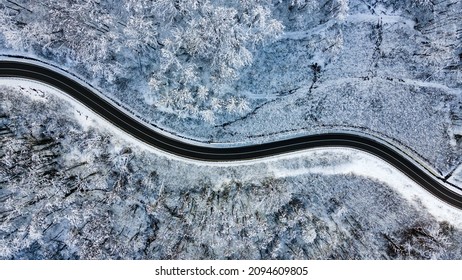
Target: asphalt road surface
x=145 y=133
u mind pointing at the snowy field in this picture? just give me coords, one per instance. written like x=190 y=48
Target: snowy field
x=75 y=187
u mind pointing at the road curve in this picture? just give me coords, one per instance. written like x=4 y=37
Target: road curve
x=163 y=142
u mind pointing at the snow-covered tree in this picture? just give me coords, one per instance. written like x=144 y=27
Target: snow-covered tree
x=207 y=46
x=176 y=46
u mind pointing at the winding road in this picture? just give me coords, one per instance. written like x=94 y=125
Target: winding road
x=145 y=133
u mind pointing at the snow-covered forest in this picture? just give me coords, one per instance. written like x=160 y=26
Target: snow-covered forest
x=253 y=71
x=186 y=51
x=239 y=71
x=80 y=192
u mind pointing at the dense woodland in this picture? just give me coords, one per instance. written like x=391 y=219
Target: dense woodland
x=227 y=71
x=184 y=50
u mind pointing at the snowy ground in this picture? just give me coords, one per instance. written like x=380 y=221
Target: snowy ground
x=374 y=83
x=69 y=184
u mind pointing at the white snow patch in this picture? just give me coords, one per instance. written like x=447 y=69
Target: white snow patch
x=39 y=91
x=35 y=93
x=300 y=35
x=433 y=85
x=388 y=19
x=355 y=18
x=369 y=166
x=412 y=82
x=456 y=177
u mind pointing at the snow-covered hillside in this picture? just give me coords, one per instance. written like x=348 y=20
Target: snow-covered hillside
x=253 y=71
x=73 y=188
